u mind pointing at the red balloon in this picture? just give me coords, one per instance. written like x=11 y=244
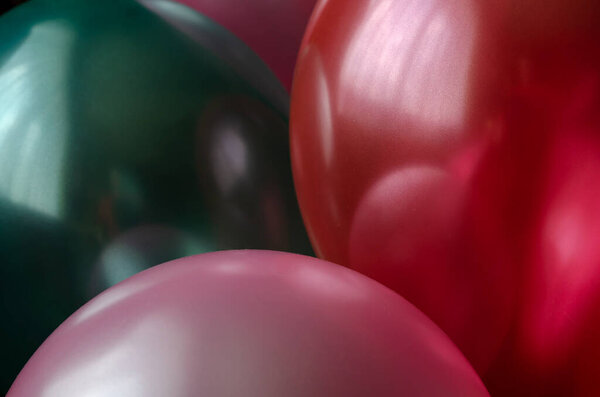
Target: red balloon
x=587 y=364
x=248 y=323
x=272 y=28
x=450 y=149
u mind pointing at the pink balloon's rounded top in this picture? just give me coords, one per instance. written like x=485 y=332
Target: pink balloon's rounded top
x=248 y=323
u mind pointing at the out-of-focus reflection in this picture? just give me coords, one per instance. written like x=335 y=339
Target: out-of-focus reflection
x=139 y=249
x=238 y=148
x=104 y=109
x=565 y=276
x=545 y=170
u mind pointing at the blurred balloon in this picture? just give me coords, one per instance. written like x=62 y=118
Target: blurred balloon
x=449 y=149
x=138 y=249
x=273 y=29
x=116 y=122
x=248 y=323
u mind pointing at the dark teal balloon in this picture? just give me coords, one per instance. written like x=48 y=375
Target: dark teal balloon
x=131 y=133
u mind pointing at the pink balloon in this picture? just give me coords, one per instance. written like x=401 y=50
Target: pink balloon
x=248 y=323
x=272 y=28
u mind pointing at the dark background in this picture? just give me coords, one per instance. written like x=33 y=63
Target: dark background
x=6 y=5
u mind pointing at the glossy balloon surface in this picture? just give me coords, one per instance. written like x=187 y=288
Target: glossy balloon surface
x=248 y=323
x=272 y=28
x=451 y=150
x=130 y=134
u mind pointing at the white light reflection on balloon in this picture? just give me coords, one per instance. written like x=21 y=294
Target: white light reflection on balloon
x=229 y=155
x=411 y=71
x=106 y=301
x=156 y=335
x=567 y=251
x=32 y=166
x=324 y=111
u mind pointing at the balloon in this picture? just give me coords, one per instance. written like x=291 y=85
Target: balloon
x=130 y=134
x=555 y=336
x=449 y=149
x=248 y=323
x=273 y=29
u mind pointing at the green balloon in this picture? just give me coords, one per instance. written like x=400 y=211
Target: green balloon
x=131 y=133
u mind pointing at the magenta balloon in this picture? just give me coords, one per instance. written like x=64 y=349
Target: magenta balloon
x=272 y=28
x=248 y=323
